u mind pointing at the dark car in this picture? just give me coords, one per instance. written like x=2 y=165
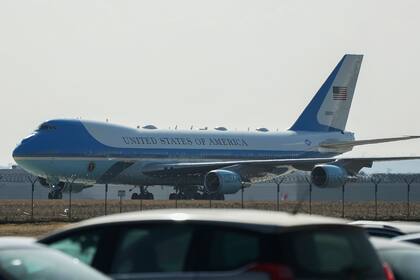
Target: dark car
x=231 y=244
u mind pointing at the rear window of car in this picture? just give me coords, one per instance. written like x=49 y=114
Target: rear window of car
x=183 y=247
x=332 y=253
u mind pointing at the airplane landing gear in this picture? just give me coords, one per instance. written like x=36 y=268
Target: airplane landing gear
x=56 y=191
x=143 y=194
x=194 y=192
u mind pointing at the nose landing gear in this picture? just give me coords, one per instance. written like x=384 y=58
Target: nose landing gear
x=56 y=191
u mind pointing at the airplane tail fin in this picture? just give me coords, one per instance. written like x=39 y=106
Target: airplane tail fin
x=329 y=109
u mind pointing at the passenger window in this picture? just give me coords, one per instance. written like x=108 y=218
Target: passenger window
x=231 y=249
x=152 y=248
x=81 y=246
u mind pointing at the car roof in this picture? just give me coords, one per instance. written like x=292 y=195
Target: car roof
x=410 y=236
x=240 y=216
x=405 y=227
x=387 y=244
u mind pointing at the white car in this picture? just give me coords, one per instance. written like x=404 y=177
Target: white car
x=403 y=257
x=220 y=244
x=22 y=258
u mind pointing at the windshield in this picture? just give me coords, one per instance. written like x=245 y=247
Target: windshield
x=45 y=126
x=34 y=263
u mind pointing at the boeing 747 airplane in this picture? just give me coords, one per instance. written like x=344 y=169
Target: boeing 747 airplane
x=203 y=163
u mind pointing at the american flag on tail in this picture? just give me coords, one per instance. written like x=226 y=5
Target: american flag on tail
x=340 y=93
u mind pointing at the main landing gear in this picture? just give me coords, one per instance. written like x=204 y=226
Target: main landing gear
x=194 y=192
x=56 y=191
x=143 y=194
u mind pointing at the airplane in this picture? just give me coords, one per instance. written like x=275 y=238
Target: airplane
x=203 y=163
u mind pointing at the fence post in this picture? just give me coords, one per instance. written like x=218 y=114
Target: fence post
x=310 y=198
x=176 y=197
x=342 y=199
x=408 y=200
x=376 y=182
x=121 y=194
x=278 y=183
x=310 y=194
x=242 y=196
x=408 y=182
x=106 y=199
x=70 y=189
x=32 y=195
x=69 y=184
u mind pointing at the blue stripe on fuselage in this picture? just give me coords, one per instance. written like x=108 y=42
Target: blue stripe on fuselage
x=69 y=138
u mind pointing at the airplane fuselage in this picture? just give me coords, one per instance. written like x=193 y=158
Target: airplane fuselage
x=86 y=150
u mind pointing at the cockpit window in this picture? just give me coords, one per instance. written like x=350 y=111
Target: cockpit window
x=46 y=126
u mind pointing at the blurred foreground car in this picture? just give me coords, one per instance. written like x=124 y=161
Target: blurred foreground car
x=379 y=229
x=403 y=257
x=220 y=244
x=22 y=258
x=412 y=238
x=388 y=229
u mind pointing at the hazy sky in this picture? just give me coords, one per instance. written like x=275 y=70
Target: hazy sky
x=206 y=63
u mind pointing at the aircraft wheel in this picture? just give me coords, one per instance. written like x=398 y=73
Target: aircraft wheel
x=197 y=196
x=134 y=196
x=149 y=196
x=172 y=196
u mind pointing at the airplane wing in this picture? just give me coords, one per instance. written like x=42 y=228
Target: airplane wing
x=350 y=144
x=255 y=168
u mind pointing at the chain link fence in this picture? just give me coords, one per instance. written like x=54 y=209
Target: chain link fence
x=400 y=204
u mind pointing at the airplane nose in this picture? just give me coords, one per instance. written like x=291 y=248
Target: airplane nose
x=17 y=151
x=22 y=148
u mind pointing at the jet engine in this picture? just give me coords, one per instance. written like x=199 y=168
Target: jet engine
x=328 y=176
x=222 y=181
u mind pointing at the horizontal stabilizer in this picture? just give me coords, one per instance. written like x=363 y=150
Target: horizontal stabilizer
x=350 y=144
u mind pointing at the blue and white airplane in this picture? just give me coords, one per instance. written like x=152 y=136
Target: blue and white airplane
x=203 y=163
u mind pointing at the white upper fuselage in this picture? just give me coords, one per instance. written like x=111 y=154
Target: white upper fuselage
x=61 y=148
